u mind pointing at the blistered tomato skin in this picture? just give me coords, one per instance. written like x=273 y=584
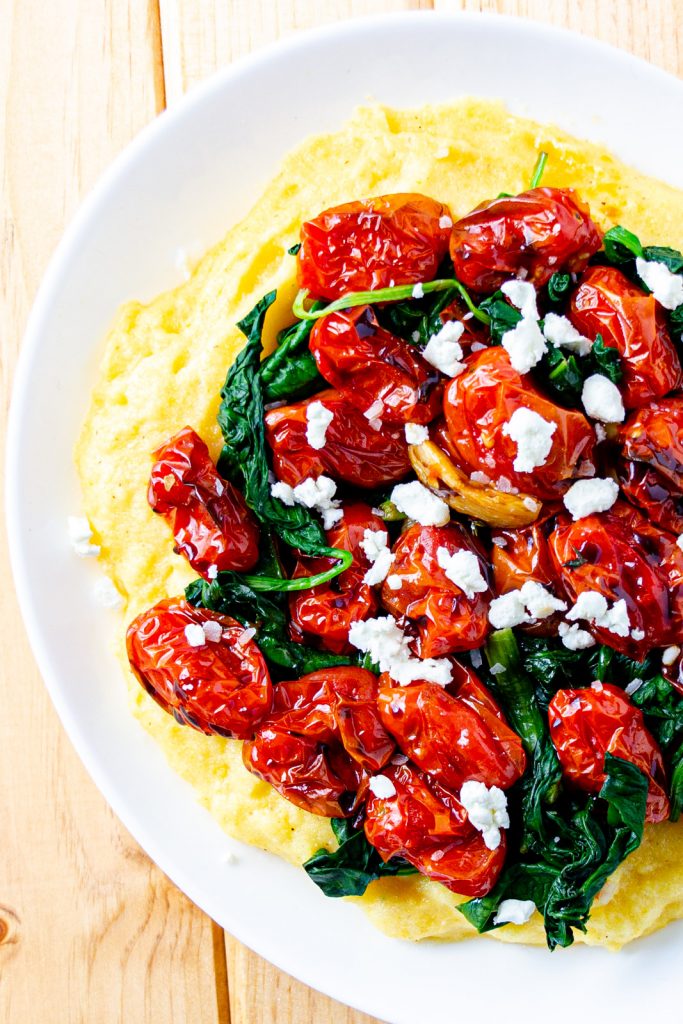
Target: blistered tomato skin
x=220 y=686
x=531 y=236
x=322 y=738
x=324 y=614
x=479 y=403
x=211 y=523
x=450 y=738
x=588 y=723
x=443 y=617
x=381 y=374
x=651 y=464
x=427 y=826
x=354 y=451
x=361 y=246
x=623 y=555
x=607 y=303
x=520 y=556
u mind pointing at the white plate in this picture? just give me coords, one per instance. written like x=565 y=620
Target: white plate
x=186 y=178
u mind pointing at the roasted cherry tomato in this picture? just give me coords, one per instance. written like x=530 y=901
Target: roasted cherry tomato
x=427 y=826
x=586 y=724
x=321 y=739
x=623 y=555
x=478 y=405
x=531 y=236
x=651 y=469
x=443 y=616
x=607 y=303
x=200 y=668
x=354 y=451
x=210 y=520
x=450 y=738
x=519 y=556
x=386 y=241
x=384 y=376
x=325 y=613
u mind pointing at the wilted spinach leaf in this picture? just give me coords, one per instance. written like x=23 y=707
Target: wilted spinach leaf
x=291 y=373
x=504 y=317
x=348 y=870
x=559 y=287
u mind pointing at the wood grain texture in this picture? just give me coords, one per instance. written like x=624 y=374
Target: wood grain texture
x=90 y=930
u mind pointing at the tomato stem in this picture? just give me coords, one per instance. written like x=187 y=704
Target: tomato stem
x=399 y=292
x=539 y=169
x=272 y=583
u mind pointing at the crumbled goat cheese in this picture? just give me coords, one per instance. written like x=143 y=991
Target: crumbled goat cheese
x=593 y=607
x=602 y=399
x=525 y=345
x=418 y=291
x=317 y=495
x=637 y=635
x=531 y=504
x=476 y=346
x=246 y=635
x=670 y=654
x=528 y=604
x=107 y=594
x=575 y=639
x=318 y=419
x=479 y=478
x=445 y=221
x=679 y=541
x=634 y=685
x=514 y=912
x=212 y=572
x=588 y=496
x=394 y=582
x=533 y=436
x=415 y=336
x=463 y=569
x=522 y=295
x=486 y=809
x=416 y=433
x=388 y=646
x=230 y=858
x=373 y=543
x=600 y=433
x=213 y=631
x=419 y=503
x=375 y=410
x=80 y=535
x=666 y=286
x=382 y=787
x=443 y=350
x=379 y=569
x=561 y=333
x=195 y=635
x=497 y=669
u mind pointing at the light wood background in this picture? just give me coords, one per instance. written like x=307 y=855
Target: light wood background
x=91 y=932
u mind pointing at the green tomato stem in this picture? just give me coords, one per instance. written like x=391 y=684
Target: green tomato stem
x=539 y=169
x=396 y=294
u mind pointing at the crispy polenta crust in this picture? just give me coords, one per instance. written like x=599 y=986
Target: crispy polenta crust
x=164 y=363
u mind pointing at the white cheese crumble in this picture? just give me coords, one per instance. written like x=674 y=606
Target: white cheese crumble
x=416 y=433
x=394 y=582
x=522 y=295
x=634 y=685
x=463 y=569
x=525 y=345
x=561 y=333
x=318 y=419
x=379 y=569
x=445 y=221
x=419 y=503
x=194 y=634
x=212 y=572
x=514 y=912
x=388 y=646
x=600 y=433
x=486 y=809
x=602 y=399
x=588 y=496
x=443 y=350
x=374 y=542
x=533 y=436
x=670 y=654
x=317 y=495
x=107 y=594
x=593 y=607
x=480 y=478
x=679 y=541
x=382 y=787
x=476 y=659
x=666 y=286
x=418 y=291
x=528 y=604
x=497 y=669
x=213 y=631
x=80 y=535
x=637 y=635
x=575 y=639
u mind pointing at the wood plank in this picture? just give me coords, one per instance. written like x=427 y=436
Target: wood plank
x=198 y=38
x=90 y=930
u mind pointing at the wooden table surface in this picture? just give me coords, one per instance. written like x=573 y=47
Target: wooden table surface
x=90 y=930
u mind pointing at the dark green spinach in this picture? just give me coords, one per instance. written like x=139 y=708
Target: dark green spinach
x=348 y=870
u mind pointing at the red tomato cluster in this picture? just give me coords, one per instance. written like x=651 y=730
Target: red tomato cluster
x=586 y=724
x=651 y=464
x=211 y=523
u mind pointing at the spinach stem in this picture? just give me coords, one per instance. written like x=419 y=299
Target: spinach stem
x=403 y=291
x=272 y=583
x=539 y=169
